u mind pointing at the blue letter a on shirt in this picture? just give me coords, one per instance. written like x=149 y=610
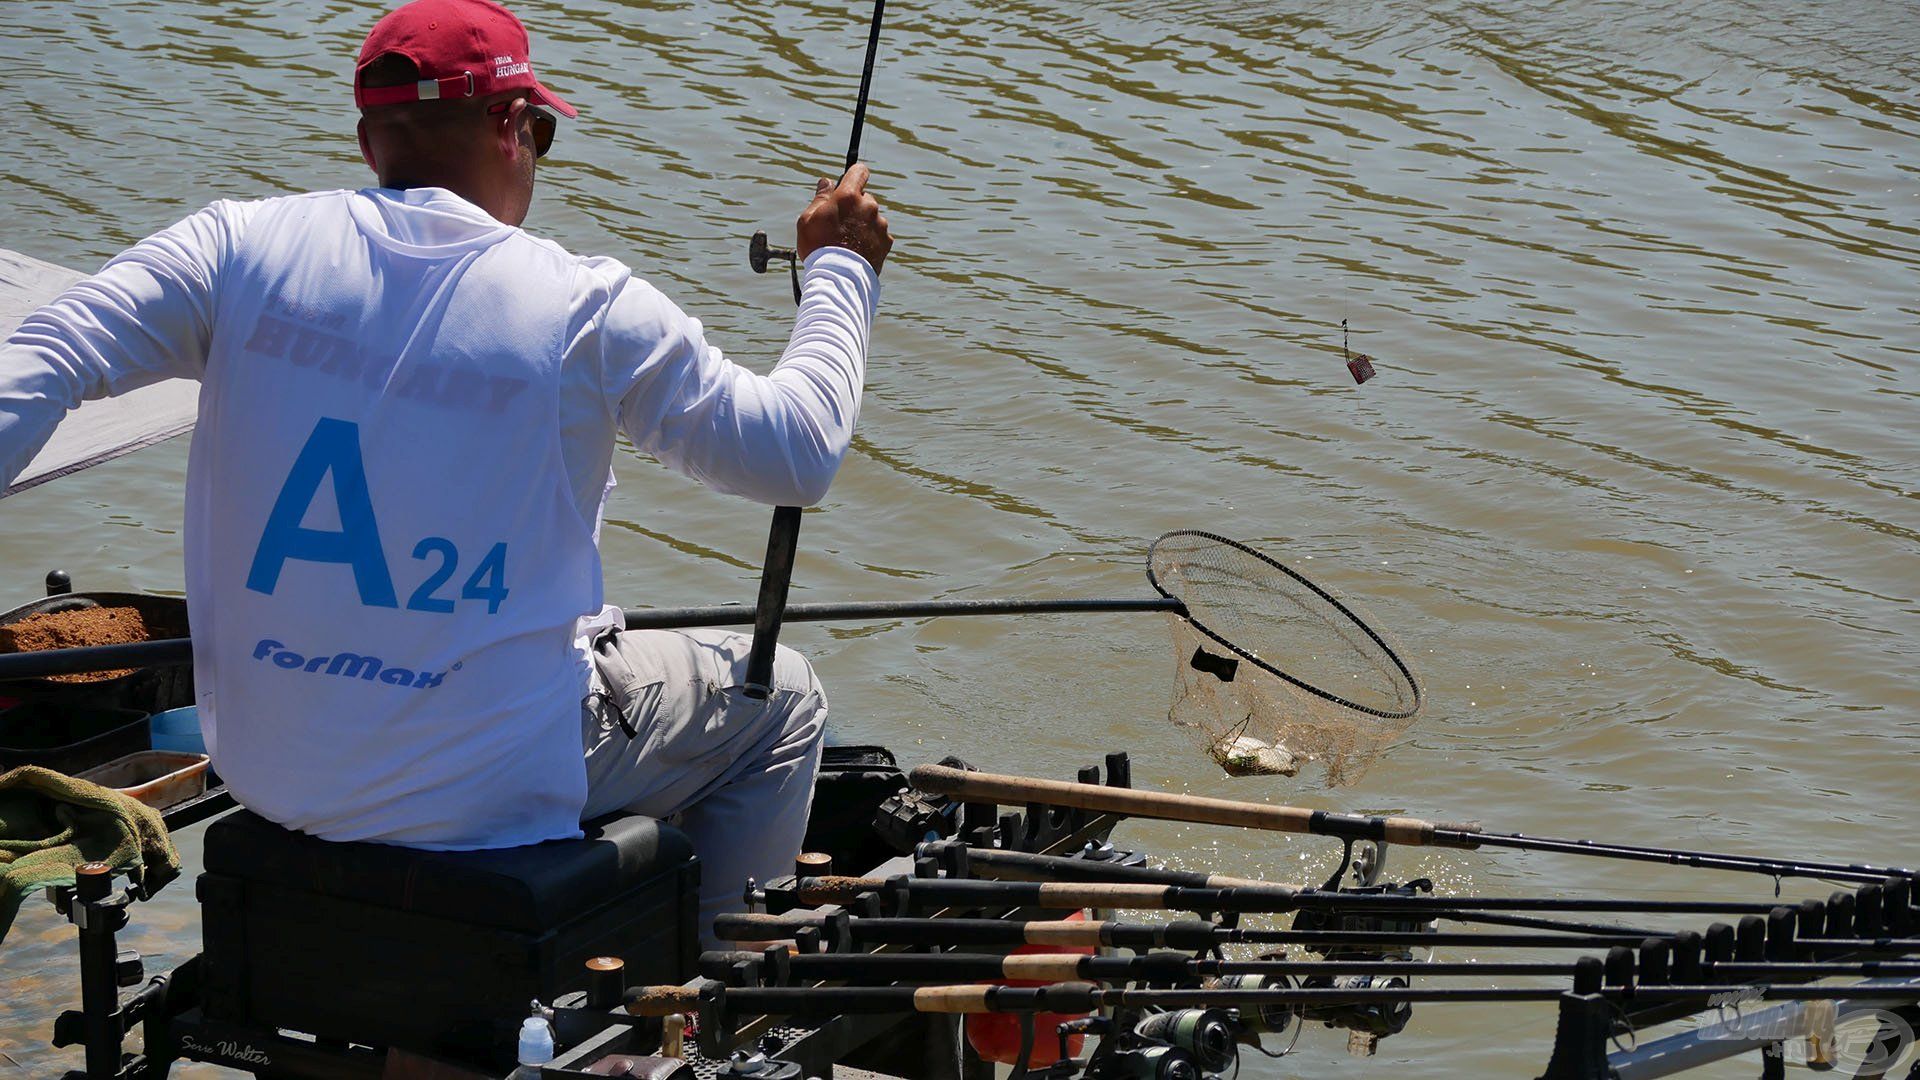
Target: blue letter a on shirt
x=334 y=447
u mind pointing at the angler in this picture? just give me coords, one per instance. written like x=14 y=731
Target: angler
x=404 y=441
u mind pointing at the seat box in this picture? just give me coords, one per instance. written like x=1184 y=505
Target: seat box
x=436 y=952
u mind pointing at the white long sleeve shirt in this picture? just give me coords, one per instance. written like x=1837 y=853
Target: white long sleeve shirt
x=632 y=357
x=407 y=418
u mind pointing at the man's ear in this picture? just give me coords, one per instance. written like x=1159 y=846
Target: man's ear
x=506 y=132
x=366 y=147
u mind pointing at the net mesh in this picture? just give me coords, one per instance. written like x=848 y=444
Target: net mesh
x=1274 y=671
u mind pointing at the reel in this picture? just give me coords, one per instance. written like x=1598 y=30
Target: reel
x=1260 y=1020
x=1377 y=1019
x=1207 y=1034
x=1363 y=922
x=1156 y=1063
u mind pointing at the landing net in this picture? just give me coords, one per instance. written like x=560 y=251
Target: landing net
x=1274 y=670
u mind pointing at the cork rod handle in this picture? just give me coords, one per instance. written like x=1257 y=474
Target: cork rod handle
x=1164 y=806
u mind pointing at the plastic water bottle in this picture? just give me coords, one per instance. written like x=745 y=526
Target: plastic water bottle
x=536 y=1048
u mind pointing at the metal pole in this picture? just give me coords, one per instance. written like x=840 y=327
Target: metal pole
x=38 y=665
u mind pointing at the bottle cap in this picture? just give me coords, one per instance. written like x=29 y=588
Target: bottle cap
x=536 y=1042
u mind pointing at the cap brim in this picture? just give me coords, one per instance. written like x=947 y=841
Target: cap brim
x=547 y=97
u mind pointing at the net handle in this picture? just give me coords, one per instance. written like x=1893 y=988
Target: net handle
x=1345 y=612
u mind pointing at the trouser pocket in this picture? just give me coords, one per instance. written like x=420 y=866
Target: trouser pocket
x=627 y=689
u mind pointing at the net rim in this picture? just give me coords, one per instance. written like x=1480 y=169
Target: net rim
x=1186 y=612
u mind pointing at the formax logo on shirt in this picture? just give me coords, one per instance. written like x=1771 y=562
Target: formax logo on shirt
x=347 y=666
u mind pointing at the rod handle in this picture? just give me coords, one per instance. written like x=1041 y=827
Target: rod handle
x=1002 y=789
x=1043 y=967
x=1076 y=932
x=662 y=1000
x=783 y=540
x=755 y=926
x=953 y=999
x=835 y=889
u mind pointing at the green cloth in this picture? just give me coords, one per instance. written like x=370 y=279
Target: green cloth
x=51 y=823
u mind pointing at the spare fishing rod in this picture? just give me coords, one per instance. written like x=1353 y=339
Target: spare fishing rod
x=840 y=932
x=912 y=893
x=163 y=651
x=1178 y=967
x=1082 y=998
x=783 y=537
x=994 y=788
x=999 y=864
x=951 y=967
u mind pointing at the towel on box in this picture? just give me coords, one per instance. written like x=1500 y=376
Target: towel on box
x=51 y=824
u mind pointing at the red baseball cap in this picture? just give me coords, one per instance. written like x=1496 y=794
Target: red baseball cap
x=463 y=48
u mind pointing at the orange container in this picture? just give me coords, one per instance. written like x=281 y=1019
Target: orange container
x=159 y=778
x=995 y=1037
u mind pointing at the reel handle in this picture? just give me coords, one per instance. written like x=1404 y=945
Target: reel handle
x=761 y=253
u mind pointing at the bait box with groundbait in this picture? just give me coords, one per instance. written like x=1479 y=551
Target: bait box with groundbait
x=149 y=690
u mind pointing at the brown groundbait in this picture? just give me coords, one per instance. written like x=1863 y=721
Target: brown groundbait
x=73 y=629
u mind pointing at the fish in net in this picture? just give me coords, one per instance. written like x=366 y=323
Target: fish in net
x=1273 y=670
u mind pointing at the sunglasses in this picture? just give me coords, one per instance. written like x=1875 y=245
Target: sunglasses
x=544 y=124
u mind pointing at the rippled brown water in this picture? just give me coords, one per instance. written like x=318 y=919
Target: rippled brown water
x=1638 y=484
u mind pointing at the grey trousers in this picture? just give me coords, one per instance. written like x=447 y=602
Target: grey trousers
x=668 y=733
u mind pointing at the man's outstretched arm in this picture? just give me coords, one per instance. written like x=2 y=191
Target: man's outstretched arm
x=145 y=317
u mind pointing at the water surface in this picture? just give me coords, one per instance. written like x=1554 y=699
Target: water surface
x=1638 y=484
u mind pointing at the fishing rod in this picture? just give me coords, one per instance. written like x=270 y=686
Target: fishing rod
x=939 y=968
x=783 y=537
x=164 y=651
x=1173 y=967
x=1083 y=998
x=962 y=861
x=980 y=787
x=1535 y=922
x=840 y=933
x=1003 y=864
x=911 y=893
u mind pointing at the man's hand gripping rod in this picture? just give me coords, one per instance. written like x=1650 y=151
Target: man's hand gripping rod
x=783 y=539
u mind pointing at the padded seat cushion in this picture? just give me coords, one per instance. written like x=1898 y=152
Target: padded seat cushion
x=532 y=888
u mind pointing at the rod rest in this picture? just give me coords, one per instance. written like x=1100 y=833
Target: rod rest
x=1780 y=943
x=1898 y=901
x=1655 y=961
x=1750 y=940
x=1867 y=908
